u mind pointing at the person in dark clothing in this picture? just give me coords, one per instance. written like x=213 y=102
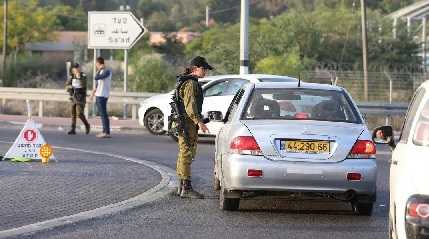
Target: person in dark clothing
x=191 y=98
x=103 y=79
x=76 y=87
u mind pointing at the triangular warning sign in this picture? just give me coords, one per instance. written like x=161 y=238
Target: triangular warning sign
x=28 y=143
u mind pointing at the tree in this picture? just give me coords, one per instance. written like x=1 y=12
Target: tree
x=29 y=22
x=152 y=74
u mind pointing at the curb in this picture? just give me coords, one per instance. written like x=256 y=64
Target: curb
x=165 y=187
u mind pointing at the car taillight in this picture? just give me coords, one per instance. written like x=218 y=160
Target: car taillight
x=363 y=149
x=418 y=210
x=421 y=135
x=245 y=145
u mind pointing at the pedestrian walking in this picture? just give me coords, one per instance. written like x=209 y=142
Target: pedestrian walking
x=76 y=87
x=103 y=81
x=189 y=97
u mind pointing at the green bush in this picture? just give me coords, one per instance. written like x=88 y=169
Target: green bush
x=153 y=74
x=35 y=72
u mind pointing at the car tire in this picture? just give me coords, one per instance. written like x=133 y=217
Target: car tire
x=154 y=122
x=363 y=208
x=228 y=204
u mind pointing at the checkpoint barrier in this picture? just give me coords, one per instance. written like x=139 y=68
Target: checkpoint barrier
x=60 y=95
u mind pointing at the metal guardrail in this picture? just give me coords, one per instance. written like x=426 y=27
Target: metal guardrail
x=45 y=95
x=383 y=108
x=134 y=99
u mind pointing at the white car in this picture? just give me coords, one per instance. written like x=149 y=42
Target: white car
x=409 y=177
x=218 y=93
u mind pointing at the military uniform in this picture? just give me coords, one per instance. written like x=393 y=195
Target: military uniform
x=76 y=87
x=192 y=97
x=189 y=101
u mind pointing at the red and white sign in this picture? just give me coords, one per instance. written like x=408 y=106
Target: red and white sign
x=30 y=135
x=28 y=143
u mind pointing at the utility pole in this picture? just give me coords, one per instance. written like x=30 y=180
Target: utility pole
x=424 y=23
x=244 y=37
x=364 y=50
x=207 y=16
x=2 y=81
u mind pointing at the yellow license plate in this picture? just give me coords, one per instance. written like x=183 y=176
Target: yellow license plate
x=302 y=146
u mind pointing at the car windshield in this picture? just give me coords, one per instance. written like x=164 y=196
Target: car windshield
x=301 y=104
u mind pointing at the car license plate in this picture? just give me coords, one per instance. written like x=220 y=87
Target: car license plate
x=305 y=146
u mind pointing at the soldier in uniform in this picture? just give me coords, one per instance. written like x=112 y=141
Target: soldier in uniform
x=191 y=96
x=76 y=87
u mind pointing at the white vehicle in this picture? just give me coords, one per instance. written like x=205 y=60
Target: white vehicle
x=409 y=177
x=218 y=93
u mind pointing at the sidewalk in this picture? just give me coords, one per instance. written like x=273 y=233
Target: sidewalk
x=115 y=124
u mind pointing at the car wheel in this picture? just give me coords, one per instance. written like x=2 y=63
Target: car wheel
x=154 y=122
x=363 y=208
x=228 y=204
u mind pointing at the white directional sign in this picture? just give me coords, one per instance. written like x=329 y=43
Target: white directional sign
x=113 y=30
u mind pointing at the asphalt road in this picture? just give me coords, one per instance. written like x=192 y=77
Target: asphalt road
x=172 y=217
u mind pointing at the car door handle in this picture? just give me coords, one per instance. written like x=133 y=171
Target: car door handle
x=394 y=162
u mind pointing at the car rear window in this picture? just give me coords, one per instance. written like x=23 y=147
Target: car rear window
x=301 y=104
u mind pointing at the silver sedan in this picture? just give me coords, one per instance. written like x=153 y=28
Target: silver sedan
x=289 y=139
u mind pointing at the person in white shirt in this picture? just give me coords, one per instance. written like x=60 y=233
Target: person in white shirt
x=103 y=81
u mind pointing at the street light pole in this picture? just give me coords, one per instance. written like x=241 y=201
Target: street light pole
x=2 y=81
x=244 y=37
x=364 y=50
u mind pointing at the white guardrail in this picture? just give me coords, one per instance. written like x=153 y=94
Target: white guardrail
x=134 y=99
x=45 y=95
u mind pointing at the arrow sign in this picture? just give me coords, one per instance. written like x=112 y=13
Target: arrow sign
x=113 y=30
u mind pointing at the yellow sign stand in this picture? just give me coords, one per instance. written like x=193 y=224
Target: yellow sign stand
x=45 y=153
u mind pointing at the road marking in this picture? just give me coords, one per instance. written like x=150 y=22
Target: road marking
x=167 y=184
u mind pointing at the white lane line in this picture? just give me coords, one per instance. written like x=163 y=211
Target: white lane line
x=168 y=181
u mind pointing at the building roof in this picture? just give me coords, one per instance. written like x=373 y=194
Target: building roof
x=69 y=40
x=63 y=41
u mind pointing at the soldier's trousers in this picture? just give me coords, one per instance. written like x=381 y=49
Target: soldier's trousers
x=187 y=152
x=78 y=110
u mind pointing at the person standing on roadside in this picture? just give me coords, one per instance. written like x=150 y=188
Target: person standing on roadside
x=190 y=98
x=103 y=81
x=76 y=87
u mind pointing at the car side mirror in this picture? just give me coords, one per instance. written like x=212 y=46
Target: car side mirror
x=384 y=135
x=215 y=116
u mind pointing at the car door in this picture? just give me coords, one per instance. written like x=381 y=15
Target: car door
x=401 y=159
x=218 y=97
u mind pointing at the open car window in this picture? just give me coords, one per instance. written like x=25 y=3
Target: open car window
x=301 y=104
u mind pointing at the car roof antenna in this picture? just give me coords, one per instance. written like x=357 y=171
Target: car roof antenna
x=299 y=79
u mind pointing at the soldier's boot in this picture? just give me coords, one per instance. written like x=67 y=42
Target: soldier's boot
x=72 y=130
x=179 y=187
x=189 y=192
